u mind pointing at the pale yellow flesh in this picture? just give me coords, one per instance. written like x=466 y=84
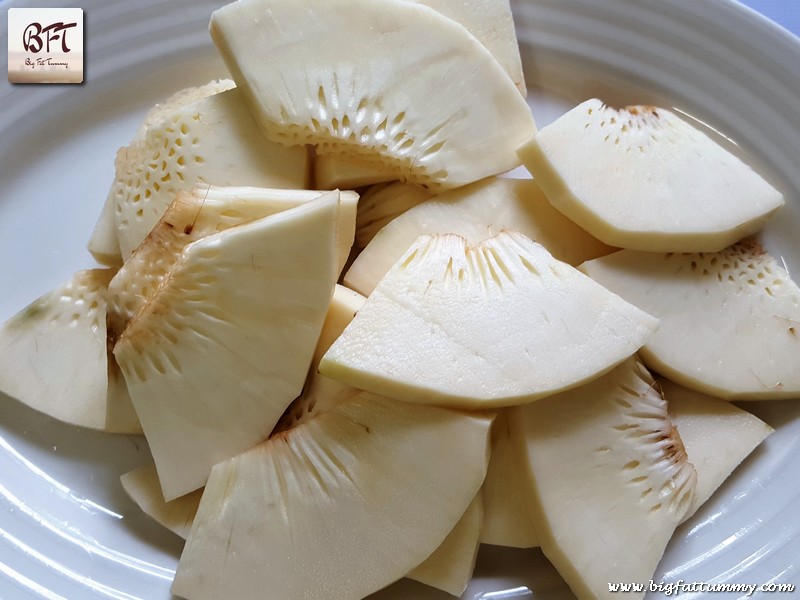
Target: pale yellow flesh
x=336 y=171
x=610 y=479
x=476 y=212
x=381 y=204
x=224 y=346
x=496 y=324
x=730 y=320
x=373 y=483
x=645 y=179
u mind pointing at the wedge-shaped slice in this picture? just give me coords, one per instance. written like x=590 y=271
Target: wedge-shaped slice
x=476 y=212
x=348 y=172
x=144 y=489
x=54 y=358
x=313 y=85
x=213 y=141
x=450 y=566
x=103 y=243
x=730 y=321
x=381 y=204
x=224 y=345
x=198 y=213
x=506 y=503
x=642 y=178
x=496 y=324
x=716 y=434
x=373 y=483
x=609 y=476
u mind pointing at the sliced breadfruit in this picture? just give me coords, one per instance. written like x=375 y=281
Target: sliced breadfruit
x=717 y=436
x=381 y=204
x=103 y=244
x=609 y=476
x=730 y=320
x=640 y=177
x=144 y=488
x=476 y=212
x=221 y=349
x=373 y=483
x=213 y=141
x=490 y=325
x=54 y=357
x=388 y=106
x=347 y=172
x=450 y=566
x=198 y=213
x=506 y=503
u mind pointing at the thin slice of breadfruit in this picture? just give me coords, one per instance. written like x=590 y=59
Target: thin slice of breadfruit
x=730 y=320
x=373 y=483
x=54 y=357
x=642 y=178
x=427 y=100
x=222 y=348
x=495 y=324
x=610 y=479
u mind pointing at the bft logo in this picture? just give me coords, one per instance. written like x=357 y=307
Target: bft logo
x=45 y=45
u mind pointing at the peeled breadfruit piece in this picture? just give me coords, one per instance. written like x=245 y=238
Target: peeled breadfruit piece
x=609 y=476
x=103 y=243
x=213 y=141
x=222 y=348
x=381 y=204
x=476 y=212
x=451 y=565
x=506 y=503
x=642 y=178
x=730 y=320
x=373 y=483
x=347 y=172
x=54 y=357
x=388 y=106
x=717 y=436
x=495 y=324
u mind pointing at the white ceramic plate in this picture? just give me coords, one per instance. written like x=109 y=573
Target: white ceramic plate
x=66 y=528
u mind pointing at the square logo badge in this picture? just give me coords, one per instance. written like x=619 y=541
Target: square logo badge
x=45 y=45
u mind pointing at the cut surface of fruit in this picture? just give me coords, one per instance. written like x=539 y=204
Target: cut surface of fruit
x=373 y=483
x=609 y=476
x=144 y=489
x=347 y=172
x=496 y=324
x=224 y=345
x=506 y=503
x=450 y=566
x=381 y=204
x=388 y=105
x=730 y=320
x=103 y=244
x=716 y=434
x=213 y=141
x=476 y=212
x=643 y=178
x=54 y=357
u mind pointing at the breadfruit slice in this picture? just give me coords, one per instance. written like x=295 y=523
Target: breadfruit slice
x=730 y=320
x=347 y=172
x=495 y=324
x=198 y=213
x=54 y=357
x=144 y=488
x=476 y=212
x=373 y=483
x=717 y=436
x=103 y=244
x=609 y=476
x=451 y=565
x=506 y=503
x=213 y=141
x=642 y=178
x=381 y=204
x=399 y=105
x=223 y=346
